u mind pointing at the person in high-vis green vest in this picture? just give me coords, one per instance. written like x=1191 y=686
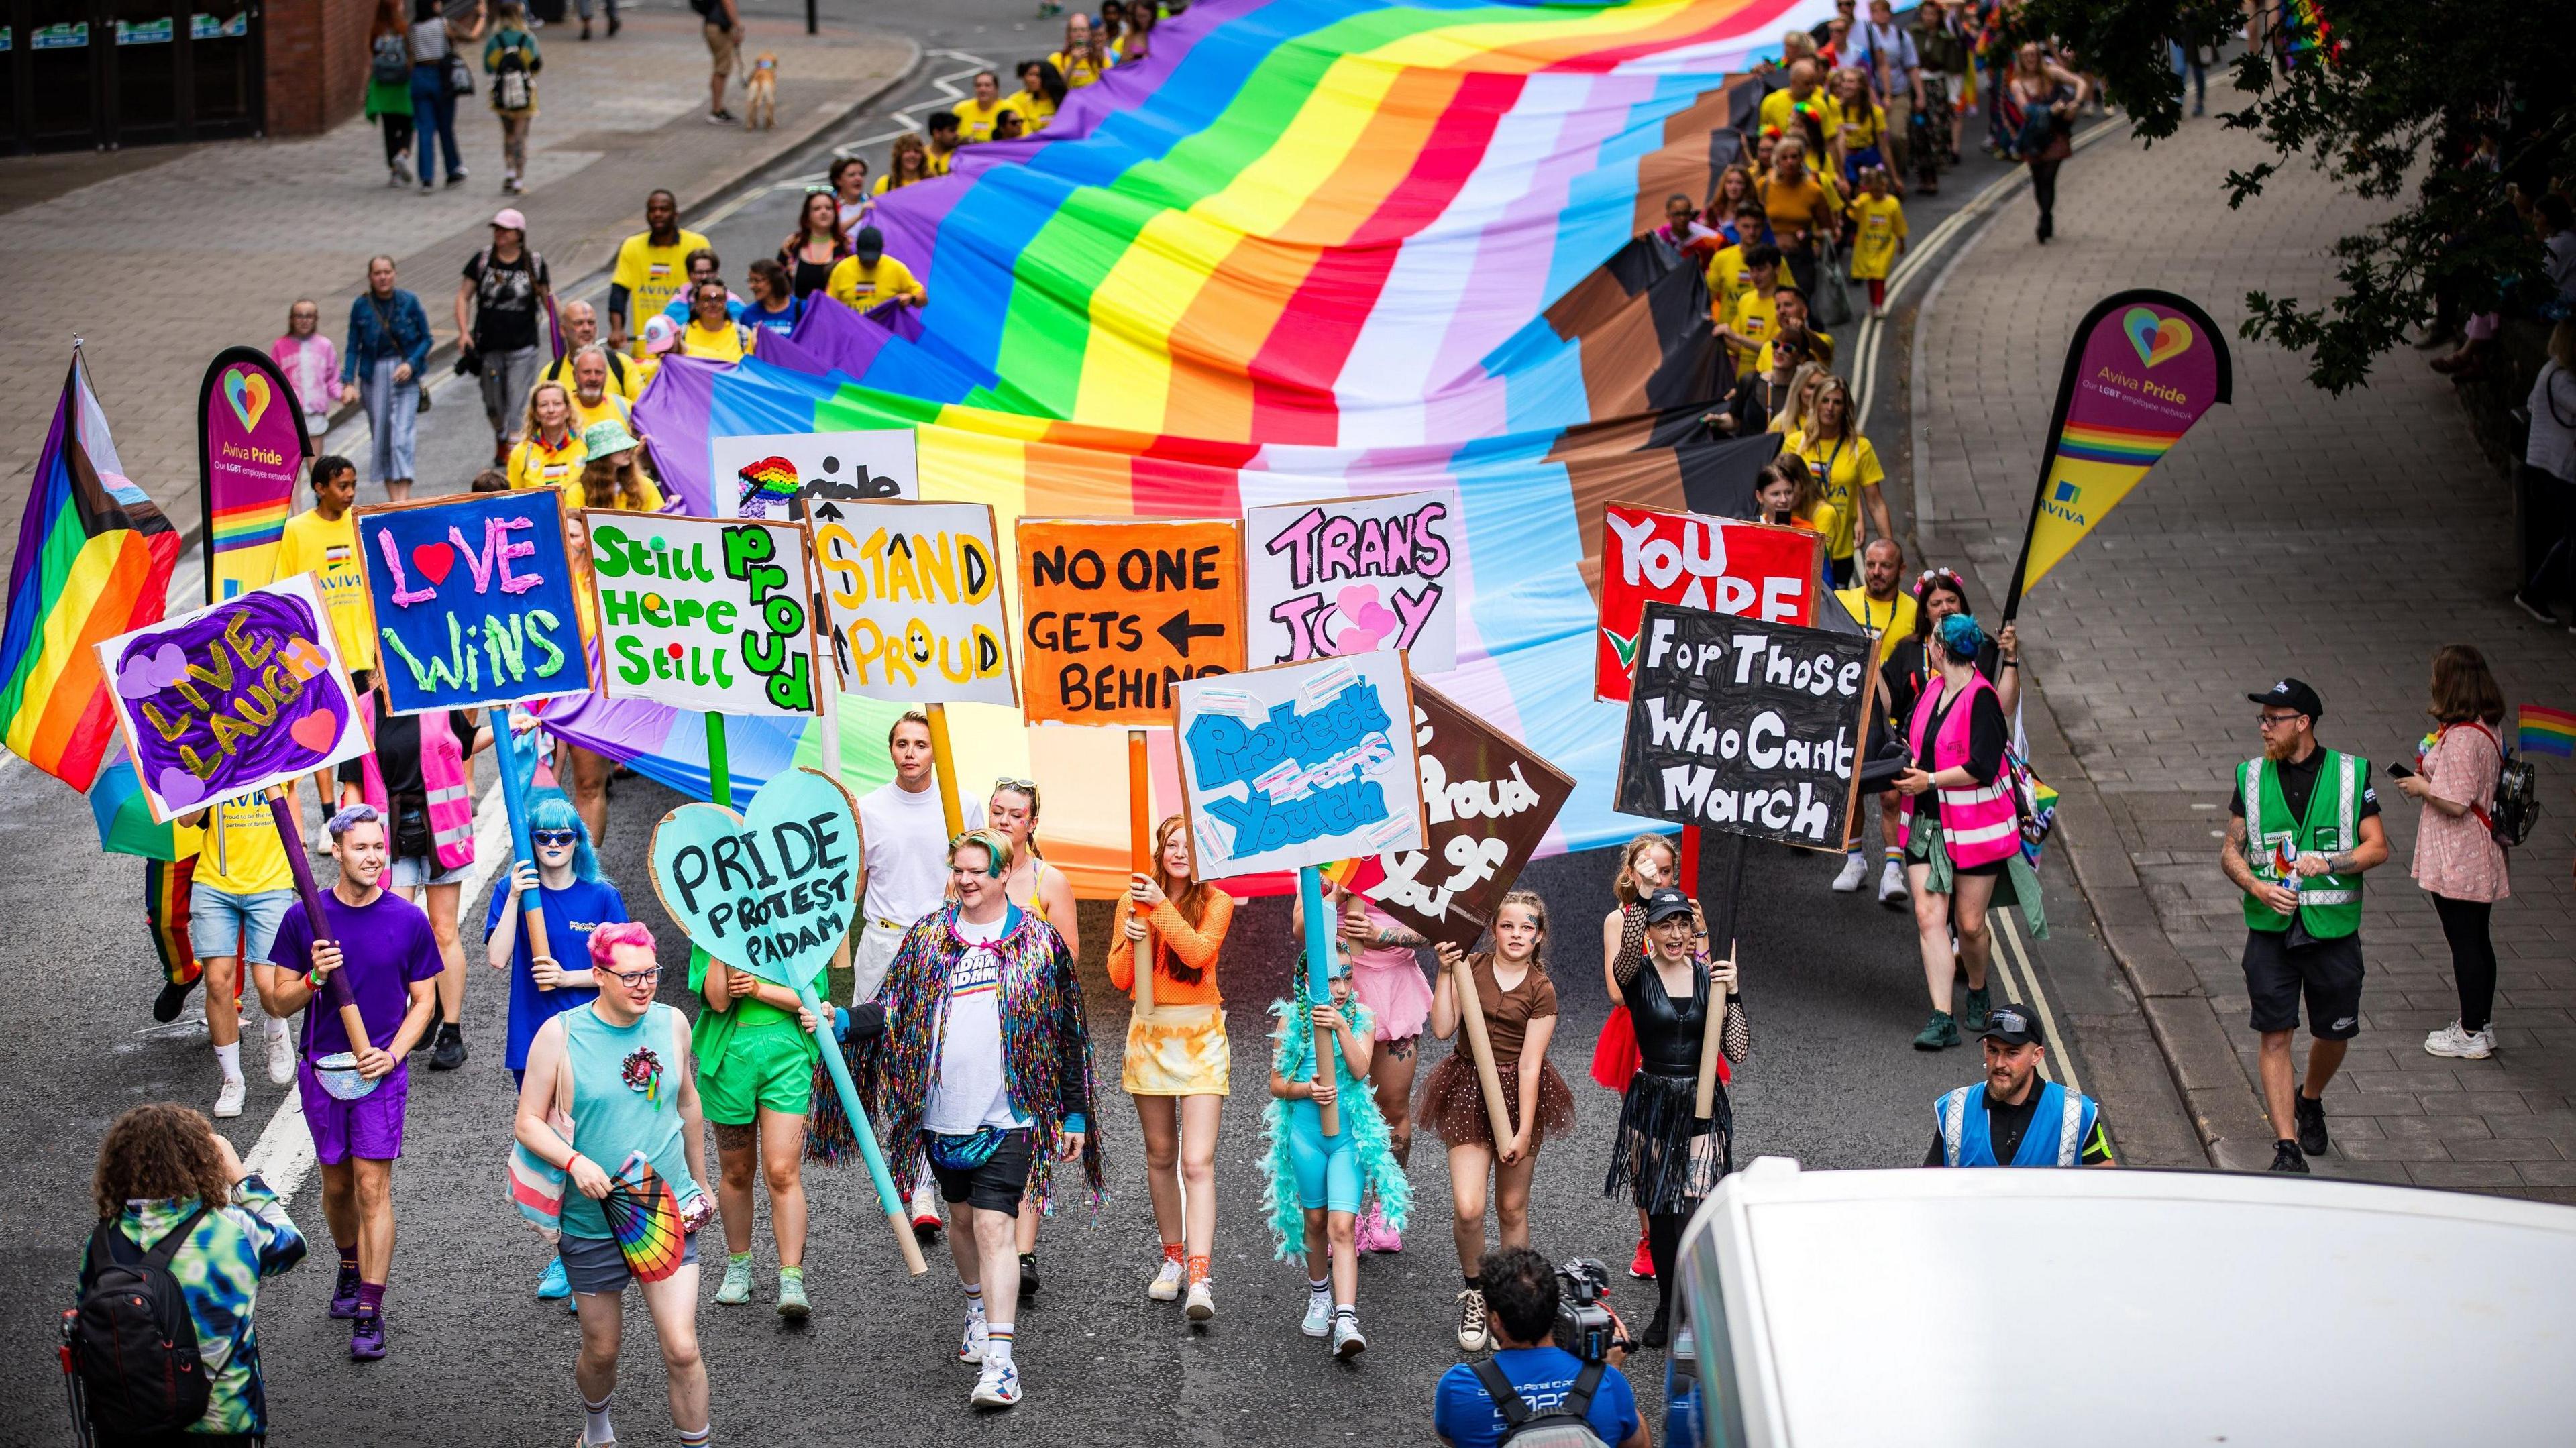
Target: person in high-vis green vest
x=2306 y=825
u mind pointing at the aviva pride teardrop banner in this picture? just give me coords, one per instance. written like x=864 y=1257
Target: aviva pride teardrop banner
x=2143 y=367
x=250 y=445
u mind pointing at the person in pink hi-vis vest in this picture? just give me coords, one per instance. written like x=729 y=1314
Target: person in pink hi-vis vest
x=1956 y=785
x=422 y=776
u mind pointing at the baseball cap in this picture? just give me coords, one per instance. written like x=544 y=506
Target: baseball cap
x=660 y=334
x=868 y=245
x=2013 y=1025
x=1666 y=903
x=2292 y=694
x=509 y=216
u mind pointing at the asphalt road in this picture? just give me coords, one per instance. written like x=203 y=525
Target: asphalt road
x=1832 y=988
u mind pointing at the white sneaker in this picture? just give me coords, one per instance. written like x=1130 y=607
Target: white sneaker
x=1891 y=885
x=926 y=1220
x=1319 y=1315
x=1347 y=1341
x=979 y=1336
x=228 y=1101
x=281 y=1054
x=2461 y=1045
x=1202 y=1305
x=1855 y=870
x=1167 y=1282
x=1473 y=1332
x=998 y=1386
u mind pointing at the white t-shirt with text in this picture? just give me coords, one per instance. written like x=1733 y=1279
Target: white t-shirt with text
x=968 y=1090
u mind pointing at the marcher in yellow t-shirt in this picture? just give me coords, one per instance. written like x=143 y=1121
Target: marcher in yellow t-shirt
x=868 y=277
x=1035 y=101
x=549 y=452
x=1782 y=110
x=1078 y=62
x=1890 y=619
x=652 y=266
x=975 y=113
x=1747 y=329
x=1881 y=220
x=238 y=896
x=594 y=397
x=1847 y=469
x=711 y=336
x=324 y=543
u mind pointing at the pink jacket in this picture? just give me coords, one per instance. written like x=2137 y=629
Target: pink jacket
x=312 y=368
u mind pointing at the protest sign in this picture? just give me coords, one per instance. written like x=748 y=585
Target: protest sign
x=501 y=628
x=233 y=698
x=757 y=475
x=912 y=598
x=767 y=891
x=1347 y=575
x=1748 y=727
x=702 y=613
x=251 y=443
x=1648 y=555
x=1115 y=611
x=1487 y=801
x=1299 y=764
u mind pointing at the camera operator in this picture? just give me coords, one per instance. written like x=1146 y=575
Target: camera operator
x=1521 y=1289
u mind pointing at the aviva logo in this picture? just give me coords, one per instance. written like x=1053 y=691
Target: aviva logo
x=2067 y=492
x=2065 y=503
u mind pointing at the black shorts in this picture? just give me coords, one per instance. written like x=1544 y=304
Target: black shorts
x=997 y=1185
x=1841 y=569
x=2327 y=972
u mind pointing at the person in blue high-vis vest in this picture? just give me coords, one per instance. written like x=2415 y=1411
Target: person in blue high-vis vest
x=2013 y=1118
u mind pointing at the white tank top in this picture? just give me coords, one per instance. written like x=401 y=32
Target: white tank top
x=429 y=41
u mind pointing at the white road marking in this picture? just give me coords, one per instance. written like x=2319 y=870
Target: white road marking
x=284 y=1153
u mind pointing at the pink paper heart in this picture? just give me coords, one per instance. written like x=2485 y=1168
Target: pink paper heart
x=1366 y=622
x=316 y=731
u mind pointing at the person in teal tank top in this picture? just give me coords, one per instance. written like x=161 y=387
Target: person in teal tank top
x=619 y=1072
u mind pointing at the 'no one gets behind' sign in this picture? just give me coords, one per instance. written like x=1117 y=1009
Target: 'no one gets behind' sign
x=1113 y=612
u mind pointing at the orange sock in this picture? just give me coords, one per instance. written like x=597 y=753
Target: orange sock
x=1171 y=1251
x=1198 y=1269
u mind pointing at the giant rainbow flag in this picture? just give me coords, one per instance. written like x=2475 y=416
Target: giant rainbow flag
x=1309 y=248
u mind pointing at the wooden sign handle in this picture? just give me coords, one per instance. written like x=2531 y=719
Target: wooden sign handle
x=1140 y=855
x=1712 y=1044
x=335 y=987
x=943 y=760
x=1480 y=1047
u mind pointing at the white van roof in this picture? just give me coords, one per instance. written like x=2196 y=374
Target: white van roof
x=2108 y=1307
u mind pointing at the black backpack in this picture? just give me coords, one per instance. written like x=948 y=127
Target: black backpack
x=392 y=62
x=131 y=1343
x=2517 y=793
x=1563 y=1426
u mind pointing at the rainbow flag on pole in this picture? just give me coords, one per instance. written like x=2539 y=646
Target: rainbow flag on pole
x=94 y=560
x=2546 y=731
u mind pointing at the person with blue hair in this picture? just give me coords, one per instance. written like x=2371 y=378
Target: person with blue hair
x=578 y=899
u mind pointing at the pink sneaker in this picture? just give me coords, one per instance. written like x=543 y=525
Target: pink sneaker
x=1373 y=1233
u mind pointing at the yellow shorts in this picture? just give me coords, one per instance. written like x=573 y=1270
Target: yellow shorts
x=1177 y=1051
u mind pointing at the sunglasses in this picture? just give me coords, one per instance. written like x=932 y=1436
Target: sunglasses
x=554 y=837
x=1028 y=787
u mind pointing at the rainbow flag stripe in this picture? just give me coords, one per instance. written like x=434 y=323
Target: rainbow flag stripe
x=2546 y=731
x=2114 y=446
x=94 y=560
x=1309 y=248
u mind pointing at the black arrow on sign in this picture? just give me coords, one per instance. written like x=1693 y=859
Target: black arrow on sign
x=1178 y=631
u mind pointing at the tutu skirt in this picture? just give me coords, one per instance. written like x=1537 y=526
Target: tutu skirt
x=1451 y=1101
x=1398 y=995
x=1615 y=1057
x=1663 y=1156
x=1177 y=1051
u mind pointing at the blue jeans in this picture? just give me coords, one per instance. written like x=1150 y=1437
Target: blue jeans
x=433 y=116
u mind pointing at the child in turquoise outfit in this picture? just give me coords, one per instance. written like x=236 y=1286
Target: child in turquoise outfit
x=1316 y=1181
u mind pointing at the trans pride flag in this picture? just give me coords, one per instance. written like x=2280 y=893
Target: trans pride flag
x=1309 y=248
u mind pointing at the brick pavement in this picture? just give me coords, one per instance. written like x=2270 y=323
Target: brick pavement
x=2339 y=540
x=161 y=266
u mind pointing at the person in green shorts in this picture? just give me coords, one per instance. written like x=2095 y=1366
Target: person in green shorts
x=756 y=1053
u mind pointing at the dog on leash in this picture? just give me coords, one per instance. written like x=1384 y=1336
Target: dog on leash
x=761 y=109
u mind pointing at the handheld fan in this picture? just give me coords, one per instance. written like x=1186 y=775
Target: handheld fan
x=646 y=1218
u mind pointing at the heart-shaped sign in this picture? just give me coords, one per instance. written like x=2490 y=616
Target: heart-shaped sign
x=249 y=393
x=767 y=891
x=434 y=560
x=2156 y=338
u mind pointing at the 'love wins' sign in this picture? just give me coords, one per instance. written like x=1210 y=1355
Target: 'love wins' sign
x=473 y=600
x=768 y=891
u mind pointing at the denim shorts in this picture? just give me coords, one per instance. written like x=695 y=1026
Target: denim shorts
x=412 y=872
x=218 y=921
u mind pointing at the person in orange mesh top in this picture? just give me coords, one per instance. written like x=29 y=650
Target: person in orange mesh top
x=1177 y=1057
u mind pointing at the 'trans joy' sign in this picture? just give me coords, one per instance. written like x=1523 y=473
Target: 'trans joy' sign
x=1347 y=575
x=700 y=613
x=769 y=891
x=233 y=698
x=473 y=600
x=1301 y=764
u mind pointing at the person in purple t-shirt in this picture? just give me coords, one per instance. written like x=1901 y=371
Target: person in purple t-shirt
x=383 y=943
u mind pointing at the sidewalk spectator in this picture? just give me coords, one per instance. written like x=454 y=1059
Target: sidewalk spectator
x=819 y=242
x=508 y=285
x=774 y=303
x=1847 y=468
x=2548 y=479
x=163 y=1170
x=1041 y=92
x=433 y=105
x=2457 y=859
x=944 y=141
x=614 y=24
x=651 y=267
x=580 y=324
x=2554 y=217
x=1085 y=54
x=389 y=87
x=2043 y=99
x=2305 y=826
x=907 y=164
x=867 y=277
x=850 y=192
x=2193 y=60
x=1467 y=1409
x=388 y=345
x=724 y=33
x=511 y=60
x=311 y=365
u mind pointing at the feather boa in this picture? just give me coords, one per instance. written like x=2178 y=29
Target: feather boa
x=1045 y=1045
x=1293 y=1047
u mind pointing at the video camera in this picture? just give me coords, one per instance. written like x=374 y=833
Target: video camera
x=1585 y=1325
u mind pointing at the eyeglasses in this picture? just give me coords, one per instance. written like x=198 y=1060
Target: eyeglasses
x=633 y=978
x=554 y=837
x=2267 y=719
